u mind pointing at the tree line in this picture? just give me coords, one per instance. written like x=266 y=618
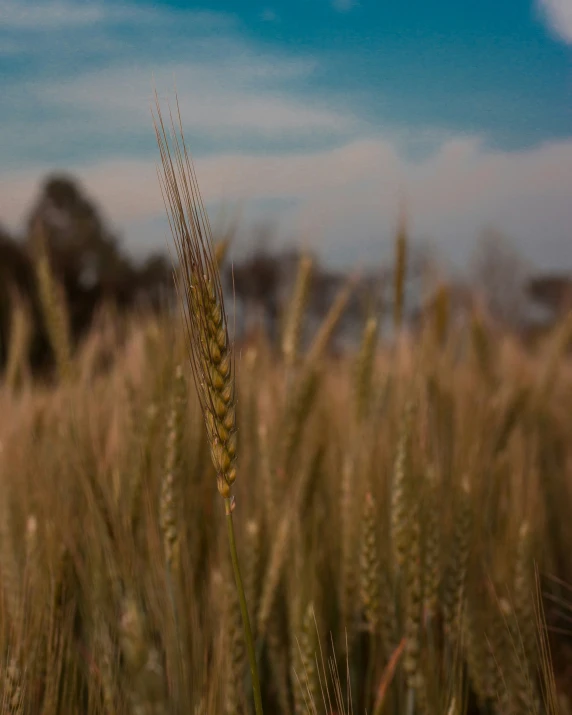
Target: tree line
x=89 y=264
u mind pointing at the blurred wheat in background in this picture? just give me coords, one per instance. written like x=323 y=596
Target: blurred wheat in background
x=402 y=507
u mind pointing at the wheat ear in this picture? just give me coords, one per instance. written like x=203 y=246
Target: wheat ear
x=329 y=324
x=400 y=270
x=433 y=546
x=375 y=589
x=481 y=664
x=143 y=662
x=210 y=352
x=305 y=677
x=399 y=490
x=295 y=312
x=169 y=485
x=221 y=249
x=54 y=308
x=455 y=576
x=349 y=531
x=364 y=368
x=13 y=697
x=523 y=587
x=19 y=345
x=413 y=597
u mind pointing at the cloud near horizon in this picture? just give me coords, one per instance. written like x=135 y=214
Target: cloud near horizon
x=262 y=137
x=557 y=14
x=343 y=201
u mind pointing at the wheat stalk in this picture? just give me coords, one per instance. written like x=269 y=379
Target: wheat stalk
x=295 y=312
x=208 y=341
x=54 y=308
x=400 y=270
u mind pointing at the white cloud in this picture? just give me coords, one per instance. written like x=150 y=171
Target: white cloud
x=228 y=89
x=345 y=197
x=24 y=15
x=269 y=15
x=53 y=15
x=342 y=198
x=557 y=14
x=238 y=96
x=344 y=5
x=16 y=15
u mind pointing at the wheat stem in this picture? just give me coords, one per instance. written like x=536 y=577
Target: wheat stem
x=228 y=505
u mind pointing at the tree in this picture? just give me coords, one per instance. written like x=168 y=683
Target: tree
x=499 y=276
x=85 y=254
x=553 y=292
x=85 y=258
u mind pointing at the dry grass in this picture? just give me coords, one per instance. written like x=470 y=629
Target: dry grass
x=114 y=565
x=390 y=508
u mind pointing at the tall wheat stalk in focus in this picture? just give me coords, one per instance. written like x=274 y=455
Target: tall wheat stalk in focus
x=210 y=351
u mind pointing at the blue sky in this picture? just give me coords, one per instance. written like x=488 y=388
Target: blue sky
x=319 y=114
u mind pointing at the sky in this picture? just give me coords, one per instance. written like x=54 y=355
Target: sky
x=319 y=115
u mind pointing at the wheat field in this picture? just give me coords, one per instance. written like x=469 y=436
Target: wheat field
x=401 y=515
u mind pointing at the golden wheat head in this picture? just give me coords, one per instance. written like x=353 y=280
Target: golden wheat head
x=199 y=286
